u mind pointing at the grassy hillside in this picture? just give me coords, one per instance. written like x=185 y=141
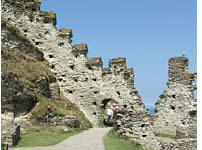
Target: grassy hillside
x=28 y=70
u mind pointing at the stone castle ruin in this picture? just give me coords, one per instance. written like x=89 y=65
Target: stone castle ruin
x=86 y=83
x=177 y=109
x=175 y=113
x=83 y=80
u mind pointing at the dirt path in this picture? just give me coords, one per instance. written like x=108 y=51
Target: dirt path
x=91 y=139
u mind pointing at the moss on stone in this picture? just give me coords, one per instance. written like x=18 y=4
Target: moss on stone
x=81 y=46
x=189 y=73
x=118 y=59
x=65 y=30
x=179 y=59
x=94 y=60
x=51 y=14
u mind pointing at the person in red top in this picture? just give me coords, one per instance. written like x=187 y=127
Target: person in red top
x=114 y=106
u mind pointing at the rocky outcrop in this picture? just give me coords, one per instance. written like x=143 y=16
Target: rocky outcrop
x=176 y=111
x=54 y=119
x=16 y=99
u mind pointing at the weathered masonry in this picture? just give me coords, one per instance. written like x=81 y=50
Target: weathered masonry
x=86 y=83
x=83 y=80
x=176 y=111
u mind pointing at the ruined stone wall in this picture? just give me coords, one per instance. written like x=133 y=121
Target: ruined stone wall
x=86 y=83
x=174 y=144
x=11 y=133
x=176 y=111
x=83 y=80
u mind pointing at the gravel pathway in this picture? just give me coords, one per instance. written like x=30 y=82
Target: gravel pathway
x=91 y=139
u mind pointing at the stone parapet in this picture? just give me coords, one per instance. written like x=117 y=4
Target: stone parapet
x=48 y=17
x=119 y=62
x=65 y=33
x=94 y=61
x=80 y=49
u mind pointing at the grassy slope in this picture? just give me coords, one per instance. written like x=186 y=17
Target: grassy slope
x=113 y=141
x=28 y=70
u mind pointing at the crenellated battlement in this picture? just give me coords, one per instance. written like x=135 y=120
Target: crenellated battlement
x=80 y=49
x=117 y=63
x=86 y=83
x=64 y=34
x=94 y=61
x=117 y=60
x=47 y=17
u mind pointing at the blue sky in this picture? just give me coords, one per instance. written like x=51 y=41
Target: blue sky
x=146 y=32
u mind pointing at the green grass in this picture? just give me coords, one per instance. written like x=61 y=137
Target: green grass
x=163 y=135
x=113 y=141
x=45 y=137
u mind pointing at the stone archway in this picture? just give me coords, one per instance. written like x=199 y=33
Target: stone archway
x=104 y=102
